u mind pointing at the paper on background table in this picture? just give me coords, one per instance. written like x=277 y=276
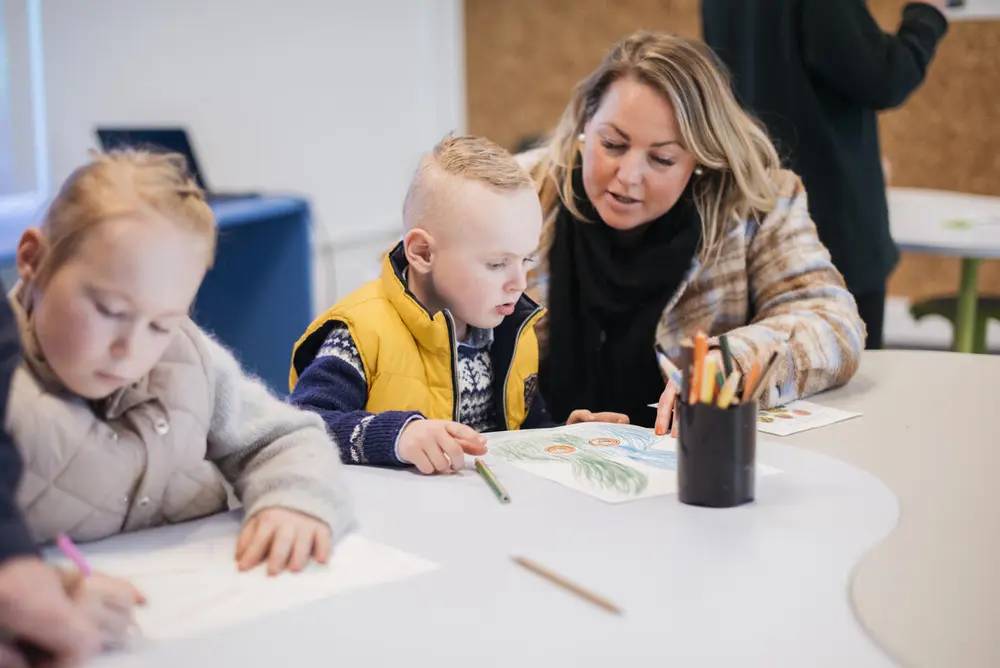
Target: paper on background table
x=612 y=462
x=799 y=416
x=194 y=588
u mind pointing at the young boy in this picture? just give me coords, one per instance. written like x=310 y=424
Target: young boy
x=411 y=367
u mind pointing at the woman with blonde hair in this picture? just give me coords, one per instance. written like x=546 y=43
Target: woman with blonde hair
x=667 y=213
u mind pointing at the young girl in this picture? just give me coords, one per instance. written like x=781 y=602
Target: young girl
x=125 y=412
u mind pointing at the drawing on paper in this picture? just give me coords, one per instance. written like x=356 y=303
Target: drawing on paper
x=607 y=459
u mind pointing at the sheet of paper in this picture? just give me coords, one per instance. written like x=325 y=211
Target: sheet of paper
x=614 y=463
x=194 y=588
x=799 y=416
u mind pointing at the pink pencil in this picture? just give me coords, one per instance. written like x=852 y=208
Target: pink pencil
x=73 y=554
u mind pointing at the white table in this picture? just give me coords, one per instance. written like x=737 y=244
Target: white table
x=930 y=221
x=762 y=585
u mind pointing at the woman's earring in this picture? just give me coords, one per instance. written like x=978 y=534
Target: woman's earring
x=699 y=171
x=581 y=137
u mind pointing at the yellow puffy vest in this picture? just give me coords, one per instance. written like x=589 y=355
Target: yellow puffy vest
x=411 y=358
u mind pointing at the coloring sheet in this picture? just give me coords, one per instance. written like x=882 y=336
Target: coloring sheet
x=799 y=416
x=194 y=587
x=612 y=462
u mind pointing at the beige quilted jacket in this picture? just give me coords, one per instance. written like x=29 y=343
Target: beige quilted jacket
x=157 y=452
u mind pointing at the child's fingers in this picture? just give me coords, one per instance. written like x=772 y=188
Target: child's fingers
x=470 y=440
x=257 y=546
x=614 y=418
x=323 y=545
x=302 y=548
x=246 y=535
x=453 y=449
x=281 y=549
x=435 y=452
x=675 y=427
x=580 y=415
x=423 y=464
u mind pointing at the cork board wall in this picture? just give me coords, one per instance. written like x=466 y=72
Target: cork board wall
x=524 y=56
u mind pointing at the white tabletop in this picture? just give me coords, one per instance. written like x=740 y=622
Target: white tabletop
x=769 y=584
x=930 y=221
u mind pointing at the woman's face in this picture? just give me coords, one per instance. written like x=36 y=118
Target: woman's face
x=634 y=166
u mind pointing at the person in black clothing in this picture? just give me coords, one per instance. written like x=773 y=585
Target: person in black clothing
x=815 y=72
x=34 y=605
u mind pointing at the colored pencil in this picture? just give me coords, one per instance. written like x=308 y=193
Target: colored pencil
x=708 y=382
x=727 y=355
x=728 y=392
x=492 y=481
x=67 y=547
x=766 y=377
x=551 y=576
x=700 y=352
x=751 y=380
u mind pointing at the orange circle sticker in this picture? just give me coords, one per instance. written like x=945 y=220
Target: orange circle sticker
x=560 y=449
x=604 y=442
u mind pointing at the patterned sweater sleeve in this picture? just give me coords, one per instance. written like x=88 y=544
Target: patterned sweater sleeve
x=801 y=304
x=274 y=455
x=335 y=387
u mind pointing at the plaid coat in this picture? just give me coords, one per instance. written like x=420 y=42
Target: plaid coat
x=771 y=287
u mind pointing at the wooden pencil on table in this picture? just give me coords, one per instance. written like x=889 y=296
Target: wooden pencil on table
x=554 y=577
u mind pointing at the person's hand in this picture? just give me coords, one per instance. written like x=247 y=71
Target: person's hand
x=107 y=601
x=583 y=415
x=285 y=539
x=439 y=446
x=34 y=608
x=666 y=407
x=665 y=410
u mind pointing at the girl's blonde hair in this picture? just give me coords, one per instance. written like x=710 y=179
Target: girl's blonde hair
x=122 y=183
x=735 y=153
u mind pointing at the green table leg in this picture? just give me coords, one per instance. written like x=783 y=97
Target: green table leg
x=965 y=318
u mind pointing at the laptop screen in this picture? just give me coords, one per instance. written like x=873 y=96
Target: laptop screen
x=155 y=139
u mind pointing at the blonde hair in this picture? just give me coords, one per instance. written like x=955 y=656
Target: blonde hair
x=466 y=157
x=737 y=157
x=123 y=183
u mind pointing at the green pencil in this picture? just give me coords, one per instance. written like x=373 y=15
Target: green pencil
x=492 y=481
x=727 y=355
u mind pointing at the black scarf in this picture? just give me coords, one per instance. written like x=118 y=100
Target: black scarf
x=607 y=291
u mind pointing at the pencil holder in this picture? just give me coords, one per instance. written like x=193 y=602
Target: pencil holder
x=716 y=454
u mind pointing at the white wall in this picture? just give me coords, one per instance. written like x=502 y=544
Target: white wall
x=335 y=99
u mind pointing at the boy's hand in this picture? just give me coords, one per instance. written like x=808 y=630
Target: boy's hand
x=285 y=538
x=583 y=415
x=34 y=607
x=439 y=446
x=107 y=601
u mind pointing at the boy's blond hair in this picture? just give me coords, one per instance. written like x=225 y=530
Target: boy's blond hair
x=123 y=183
x=466 y=157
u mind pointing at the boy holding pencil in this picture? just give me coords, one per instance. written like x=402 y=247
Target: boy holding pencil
x=411 y=368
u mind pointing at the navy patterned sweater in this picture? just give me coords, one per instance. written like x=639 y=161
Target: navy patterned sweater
x=335 y=386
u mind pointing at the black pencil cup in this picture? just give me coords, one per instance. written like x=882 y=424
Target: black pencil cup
x=716 y=454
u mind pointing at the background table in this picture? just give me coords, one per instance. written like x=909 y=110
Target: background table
x=920 y=221
x=770 y=584
x=257 y=299
x=930 y=592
